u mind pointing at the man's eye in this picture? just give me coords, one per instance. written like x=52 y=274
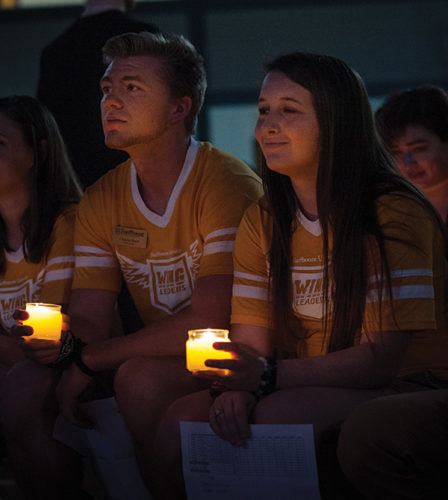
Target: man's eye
x=419 y=149
x=262 y=111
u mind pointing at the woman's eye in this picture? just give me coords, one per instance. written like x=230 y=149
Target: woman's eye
x=262 y=111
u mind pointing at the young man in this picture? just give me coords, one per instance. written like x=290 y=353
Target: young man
x=164 y=222
x=414 y=126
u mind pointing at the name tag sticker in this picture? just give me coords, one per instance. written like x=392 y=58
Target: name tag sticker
x=130 y=237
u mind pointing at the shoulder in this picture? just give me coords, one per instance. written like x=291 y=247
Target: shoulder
x=257 y=219
x=109 y=182
x=220 y=164
x=405 y=217
x=400 y=206
x=66 y=219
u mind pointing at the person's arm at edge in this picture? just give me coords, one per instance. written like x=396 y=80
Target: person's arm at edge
x=371 y=364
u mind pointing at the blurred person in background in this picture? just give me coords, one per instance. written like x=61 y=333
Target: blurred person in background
x=414 y=127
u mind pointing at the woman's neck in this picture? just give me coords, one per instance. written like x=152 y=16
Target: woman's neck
x=12 y=210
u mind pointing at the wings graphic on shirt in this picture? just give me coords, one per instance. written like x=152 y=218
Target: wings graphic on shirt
x=134 y=272
x=194 y=258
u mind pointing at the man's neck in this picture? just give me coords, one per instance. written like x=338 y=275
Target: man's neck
x=158 y=167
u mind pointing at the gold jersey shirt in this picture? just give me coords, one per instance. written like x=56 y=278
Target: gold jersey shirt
x=419 y=272
x=161 y=256
x=47 y=281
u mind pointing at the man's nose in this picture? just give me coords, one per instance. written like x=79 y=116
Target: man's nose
x=111 y=101
x=409 y=159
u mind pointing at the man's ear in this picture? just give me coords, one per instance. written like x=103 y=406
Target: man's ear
x=181 y=110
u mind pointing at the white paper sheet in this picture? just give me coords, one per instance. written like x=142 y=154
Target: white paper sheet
x=109 y=447
x=278 y=462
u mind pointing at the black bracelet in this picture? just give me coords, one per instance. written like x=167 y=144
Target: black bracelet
x=66 y=352
x=268 y=380
x=77 y=358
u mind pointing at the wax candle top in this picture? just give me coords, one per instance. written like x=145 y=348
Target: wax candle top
x=215 y=334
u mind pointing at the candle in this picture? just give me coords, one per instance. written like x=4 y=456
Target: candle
x=200 y=347
x=46 y=320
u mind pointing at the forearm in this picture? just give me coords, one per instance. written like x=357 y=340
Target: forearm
x=365 y=366
x=166 y=337
x=210 y=308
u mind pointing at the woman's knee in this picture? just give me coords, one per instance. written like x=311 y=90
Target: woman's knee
x=26 y=392
x=191 y=408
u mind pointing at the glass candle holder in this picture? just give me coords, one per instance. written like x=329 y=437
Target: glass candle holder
x=200 y=347
x=46 y=320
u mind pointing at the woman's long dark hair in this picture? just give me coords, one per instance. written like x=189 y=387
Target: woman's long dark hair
x=53 y=183
x=354 y=170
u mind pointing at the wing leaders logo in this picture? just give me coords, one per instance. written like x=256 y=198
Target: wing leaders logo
x=172 y=283
x=170 y=280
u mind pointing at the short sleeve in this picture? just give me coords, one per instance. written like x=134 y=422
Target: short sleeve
x=250 y=295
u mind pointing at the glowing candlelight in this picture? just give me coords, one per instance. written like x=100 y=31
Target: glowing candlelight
x=200 y=347
x=46 y=320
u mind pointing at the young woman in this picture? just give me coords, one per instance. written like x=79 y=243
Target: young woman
x=339 y=272
x=38 y=190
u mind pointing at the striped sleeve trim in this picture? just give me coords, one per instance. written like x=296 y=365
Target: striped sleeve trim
x=250 y=292
x=218 y=247
x=59 y=275
x=68 y=259
x=221 y=232
x=405 y=273
x=95 y=262
x=92 y=250
x=406 y=292
x=250 y=277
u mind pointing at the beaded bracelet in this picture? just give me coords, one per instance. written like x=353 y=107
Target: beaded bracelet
x=268 y=380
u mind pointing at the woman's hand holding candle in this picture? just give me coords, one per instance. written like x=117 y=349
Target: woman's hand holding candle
x=40 y=350
x=244 y=369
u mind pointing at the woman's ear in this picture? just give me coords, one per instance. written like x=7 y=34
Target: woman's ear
x=182 y=109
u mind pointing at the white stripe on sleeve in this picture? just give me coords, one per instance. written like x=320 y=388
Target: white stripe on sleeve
x=250 y=277
x=405 y=292
x=221 y=232
x=250 y=292
x=94 y=250
x=218 y=247
x=95 y=262
x=59 y=274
